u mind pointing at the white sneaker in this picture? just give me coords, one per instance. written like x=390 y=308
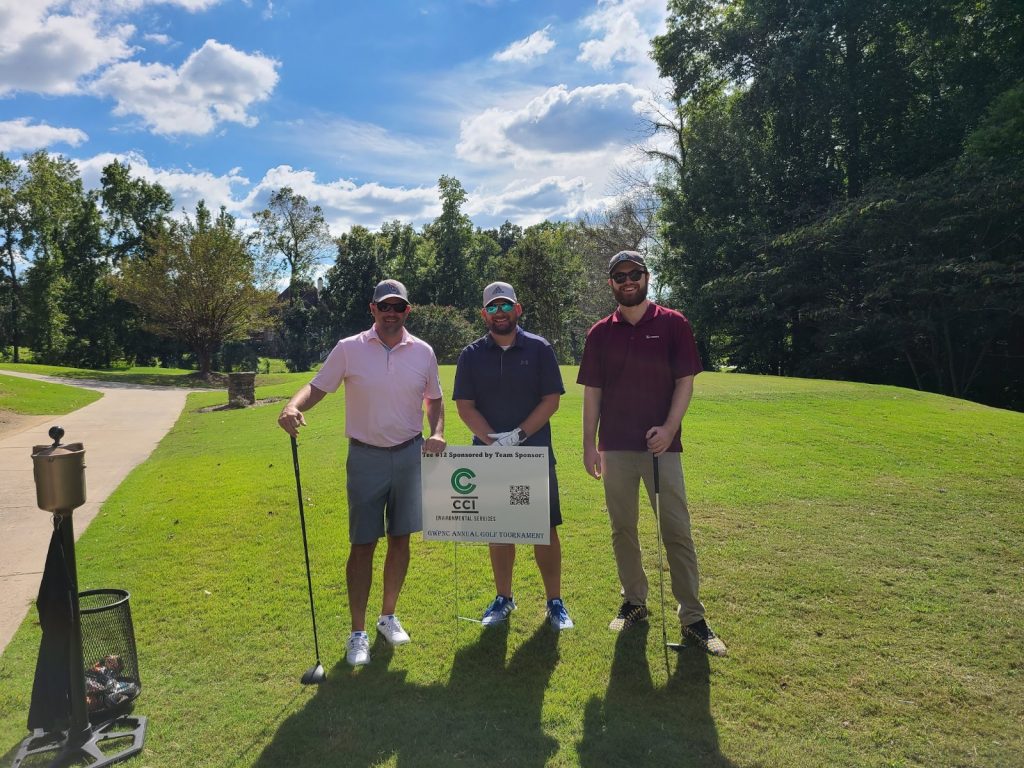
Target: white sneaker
x=391 y=628
x=358 y=649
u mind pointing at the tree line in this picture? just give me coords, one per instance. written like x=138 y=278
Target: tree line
x=843 y=194
x=107 y=277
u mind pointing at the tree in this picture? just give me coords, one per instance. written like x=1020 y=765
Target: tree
x=203 y=284
x=134 y=210
x=451 y=233
x=785 y=114
x=443 y=328
x=53 y=199
x=12 y=223
x=546 y=269
x=297 y=231
x=349 y=284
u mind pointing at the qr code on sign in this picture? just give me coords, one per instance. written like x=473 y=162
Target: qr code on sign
x=519 y=495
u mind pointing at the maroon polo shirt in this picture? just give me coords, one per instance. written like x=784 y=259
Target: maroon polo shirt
x=636 y=368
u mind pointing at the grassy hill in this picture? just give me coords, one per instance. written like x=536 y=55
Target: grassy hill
x=26 y=396
x=861 y=555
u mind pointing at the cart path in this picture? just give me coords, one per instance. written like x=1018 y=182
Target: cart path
x=120 y=430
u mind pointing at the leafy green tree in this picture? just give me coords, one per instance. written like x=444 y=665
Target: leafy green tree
x=203 y=284
x=12 y=223
x=349 y=283
x=133 y=211
x=53 y=199
x=295 y=231
x=450 y=279
x=444 y=328
x=785 y=117
x=546 y=269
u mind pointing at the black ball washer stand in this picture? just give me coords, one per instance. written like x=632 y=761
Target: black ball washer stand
x=83 y=742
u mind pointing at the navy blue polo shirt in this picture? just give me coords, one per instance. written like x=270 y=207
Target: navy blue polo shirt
x=506 y=385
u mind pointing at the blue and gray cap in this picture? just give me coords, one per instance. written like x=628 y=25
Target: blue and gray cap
x=387 y=288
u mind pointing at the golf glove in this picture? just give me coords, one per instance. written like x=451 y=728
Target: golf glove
x=507 y=439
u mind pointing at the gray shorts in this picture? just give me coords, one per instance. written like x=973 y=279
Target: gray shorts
x=383 y=492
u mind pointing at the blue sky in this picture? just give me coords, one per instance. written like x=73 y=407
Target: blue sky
x=360 y=106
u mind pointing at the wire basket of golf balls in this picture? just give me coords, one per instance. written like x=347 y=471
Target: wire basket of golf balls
x=112 y=682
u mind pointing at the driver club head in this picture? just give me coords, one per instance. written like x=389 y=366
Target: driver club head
x=314 y=675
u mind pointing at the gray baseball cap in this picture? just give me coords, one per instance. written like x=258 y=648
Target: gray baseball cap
x=387 y=288
x=499 y=291
x=622 y=256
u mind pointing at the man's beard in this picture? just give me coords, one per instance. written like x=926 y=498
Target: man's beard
x=502 y=327
x=632 y=299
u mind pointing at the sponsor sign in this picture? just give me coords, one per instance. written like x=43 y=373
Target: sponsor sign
x=486 y=494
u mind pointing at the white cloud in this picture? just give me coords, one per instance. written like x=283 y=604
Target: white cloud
x=215 y=84
x=21 y=135
x=526 y=203
x=50 y=53
x=187 y=187
x=346 y=203
x=157 y=38
x=532 y=47
x=128 y=6
x=623 y=30
x=559 y=121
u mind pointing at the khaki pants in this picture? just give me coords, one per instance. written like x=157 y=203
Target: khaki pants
x=622 y=472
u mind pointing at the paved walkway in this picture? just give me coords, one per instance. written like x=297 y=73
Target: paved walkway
x=119 y=431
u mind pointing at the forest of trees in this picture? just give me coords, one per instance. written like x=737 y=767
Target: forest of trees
x=845 y=195
x=840 y=195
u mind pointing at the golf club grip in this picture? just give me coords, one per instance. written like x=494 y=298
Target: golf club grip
x=657 y=483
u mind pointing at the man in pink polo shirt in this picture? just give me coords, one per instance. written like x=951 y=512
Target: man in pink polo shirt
x=389 y=376
x=637 y=371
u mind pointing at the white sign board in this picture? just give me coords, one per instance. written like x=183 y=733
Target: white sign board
x=486 y=494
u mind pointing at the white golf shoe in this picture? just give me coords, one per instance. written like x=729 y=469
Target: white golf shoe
x=358 y=652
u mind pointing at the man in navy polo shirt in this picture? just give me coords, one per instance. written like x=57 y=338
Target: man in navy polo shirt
x=507 y=386
x=637 y=371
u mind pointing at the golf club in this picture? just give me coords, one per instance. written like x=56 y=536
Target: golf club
x=315 y=674
x=661 y=564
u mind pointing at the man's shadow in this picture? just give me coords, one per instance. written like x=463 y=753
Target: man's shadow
x=638 y=724
x=489 y=712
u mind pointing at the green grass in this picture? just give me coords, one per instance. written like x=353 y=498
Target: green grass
x=26 y=396
x=150 y=376
x=860 y=549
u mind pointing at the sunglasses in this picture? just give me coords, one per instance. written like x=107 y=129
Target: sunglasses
x=634 y=275
x=505 y=307
x=392 y=306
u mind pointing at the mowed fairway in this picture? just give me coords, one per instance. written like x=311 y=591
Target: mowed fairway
x=861 y=555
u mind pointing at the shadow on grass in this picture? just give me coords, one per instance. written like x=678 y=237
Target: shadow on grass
x=638 y=723
x=488 y=713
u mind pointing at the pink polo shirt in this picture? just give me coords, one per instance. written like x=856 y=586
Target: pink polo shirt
x=384 y=388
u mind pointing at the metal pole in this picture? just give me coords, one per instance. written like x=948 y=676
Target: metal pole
x=79 y=730
x=661 y=564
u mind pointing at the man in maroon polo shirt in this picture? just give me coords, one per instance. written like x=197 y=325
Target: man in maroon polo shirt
x=637 y=371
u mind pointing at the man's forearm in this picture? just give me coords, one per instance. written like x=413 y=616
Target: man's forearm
x=306 y=398
x=591 y=414
x=541 y=414
x=475 y=420
x=681 y=397
x=435 y=417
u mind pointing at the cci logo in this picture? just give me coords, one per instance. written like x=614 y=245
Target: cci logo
x=462 y=480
